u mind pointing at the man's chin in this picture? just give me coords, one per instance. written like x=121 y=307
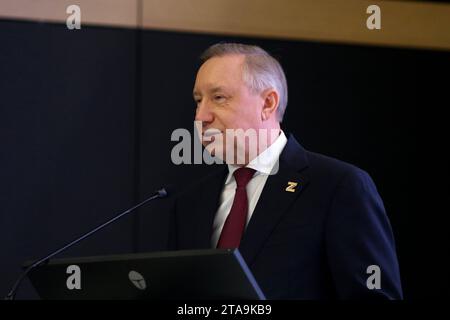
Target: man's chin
x=207 y=145
x=211 y=152
x=215 y=151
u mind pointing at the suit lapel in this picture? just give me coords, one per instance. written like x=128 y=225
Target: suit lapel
x=276 y=198
x=208 y=200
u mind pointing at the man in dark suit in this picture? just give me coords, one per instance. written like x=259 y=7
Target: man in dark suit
x=308 y=226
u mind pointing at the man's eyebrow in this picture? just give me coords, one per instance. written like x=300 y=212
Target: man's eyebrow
x=216 y=89
x=213 y=89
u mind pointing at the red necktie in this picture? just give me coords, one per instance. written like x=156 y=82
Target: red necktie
x=237 y=218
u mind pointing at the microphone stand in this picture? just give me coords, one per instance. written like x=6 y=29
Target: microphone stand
x=162 y=193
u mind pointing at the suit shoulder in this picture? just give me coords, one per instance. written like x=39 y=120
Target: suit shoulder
x=334 y=169
x=194 y=186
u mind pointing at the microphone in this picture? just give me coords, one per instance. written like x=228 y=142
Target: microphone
x=162 y=193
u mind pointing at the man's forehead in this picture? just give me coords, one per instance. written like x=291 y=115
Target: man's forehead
x=226 y=65
x=219 y=73
x=210 y=87
x=235 y=59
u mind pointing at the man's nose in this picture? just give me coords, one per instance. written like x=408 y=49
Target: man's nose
x=203 y=113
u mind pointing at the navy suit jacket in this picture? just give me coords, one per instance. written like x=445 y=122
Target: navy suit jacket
x=314 y=243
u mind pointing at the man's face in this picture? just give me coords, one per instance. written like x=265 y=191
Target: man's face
x=223 y=99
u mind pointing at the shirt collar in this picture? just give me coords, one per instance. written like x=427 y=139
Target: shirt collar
x=266 y=160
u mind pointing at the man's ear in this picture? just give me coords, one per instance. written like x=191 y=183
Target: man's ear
x=271 y=101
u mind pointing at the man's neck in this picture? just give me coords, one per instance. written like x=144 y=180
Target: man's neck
x=266 y=137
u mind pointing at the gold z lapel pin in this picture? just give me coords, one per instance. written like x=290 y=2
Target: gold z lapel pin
x=291 y=186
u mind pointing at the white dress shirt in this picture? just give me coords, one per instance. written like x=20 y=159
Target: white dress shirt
x=263 y=164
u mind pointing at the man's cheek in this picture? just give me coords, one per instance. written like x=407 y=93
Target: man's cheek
x=215 y=145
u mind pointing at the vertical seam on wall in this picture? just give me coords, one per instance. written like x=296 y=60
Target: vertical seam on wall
x=137 y=123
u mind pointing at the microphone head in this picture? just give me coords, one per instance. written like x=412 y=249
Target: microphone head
x=165 y=191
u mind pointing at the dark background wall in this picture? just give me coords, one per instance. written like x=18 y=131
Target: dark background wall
x=86 y=119
x=67 y=140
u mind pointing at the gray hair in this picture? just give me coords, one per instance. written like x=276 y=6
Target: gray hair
x=260 y=70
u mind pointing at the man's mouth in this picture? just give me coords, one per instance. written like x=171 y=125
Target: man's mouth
x=210 y=134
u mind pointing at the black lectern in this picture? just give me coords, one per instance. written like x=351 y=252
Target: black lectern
x=187 y=274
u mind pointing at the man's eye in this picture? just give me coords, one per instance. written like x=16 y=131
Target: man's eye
x=219 y=98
